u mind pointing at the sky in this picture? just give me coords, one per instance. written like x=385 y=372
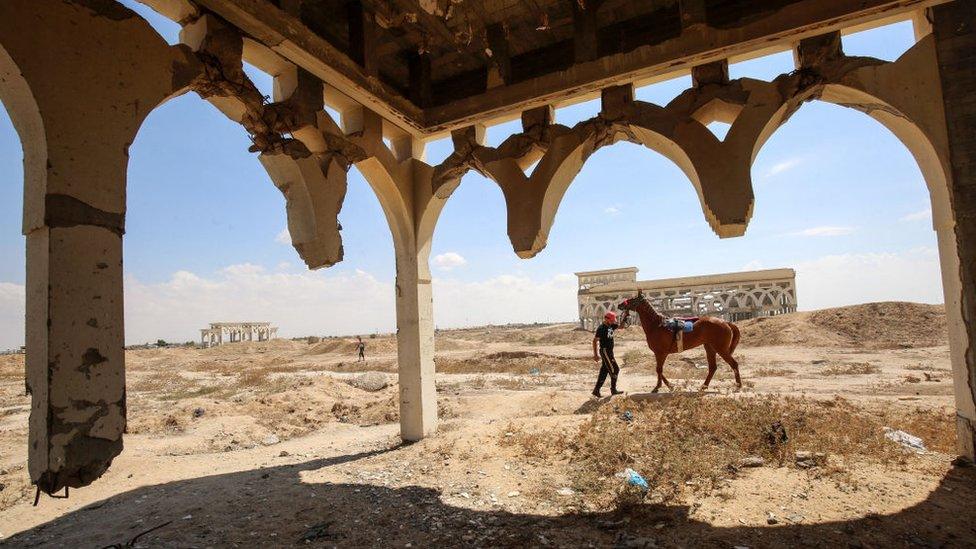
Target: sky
x=838 y=198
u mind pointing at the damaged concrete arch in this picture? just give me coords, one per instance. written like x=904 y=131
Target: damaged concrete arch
x=119 y=70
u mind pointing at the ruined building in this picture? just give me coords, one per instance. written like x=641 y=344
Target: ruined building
x=229 y=332
x=78 y=77
x=731 y=296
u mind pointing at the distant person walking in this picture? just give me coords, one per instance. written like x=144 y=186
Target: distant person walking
x=361 y=349
x=604 y=336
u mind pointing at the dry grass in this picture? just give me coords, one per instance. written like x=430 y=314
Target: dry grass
x=516 y=362
x=850 y=369
x=773 y=372
x=923 y=368
x=693 y=441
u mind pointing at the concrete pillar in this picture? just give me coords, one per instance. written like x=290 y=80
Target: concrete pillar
x=415 y=345
x=954 y=28
x=78 y=86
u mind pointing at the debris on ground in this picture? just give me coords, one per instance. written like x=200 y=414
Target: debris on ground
x=627 y=416
x=534 y=372
x=198 y=412
x=776 y=434
x=808 y=460
x=566 y=491
x=752 y=461
x=628 y=541
x=270 y=440
x=909 y=442
x=370 y=382
x=635 y=479
x=317 y=532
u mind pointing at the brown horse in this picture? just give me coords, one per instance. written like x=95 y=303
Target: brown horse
x=716 y=335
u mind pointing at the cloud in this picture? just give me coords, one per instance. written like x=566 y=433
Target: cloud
x=825 y=230
x=917 y=216
x=284 y=237
x=304 y=302
x=611 y=210
x=782 y=166
x=503 y=299
x=847 y=279
x=753 y=265
x=11 y=315
x=326 y=302
x=449 y=260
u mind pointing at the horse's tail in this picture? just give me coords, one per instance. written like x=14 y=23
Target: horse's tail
x=735 y=337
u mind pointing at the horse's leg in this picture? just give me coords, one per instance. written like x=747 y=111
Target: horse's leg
x=727 y=357
x=712 y=365
x=661 y=357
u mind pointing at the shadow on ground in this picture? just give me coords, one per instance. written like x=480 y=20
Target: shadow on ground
x=274 y=507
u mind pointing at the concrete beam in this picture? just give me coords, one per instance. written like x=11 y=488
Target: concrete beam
x=285 y=34
x=696 y=46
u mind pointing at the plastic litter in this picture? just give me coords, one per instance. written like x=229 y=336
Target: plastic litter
x=627 y=416
x=635 y=479
x=909 y=442
x=534 y=372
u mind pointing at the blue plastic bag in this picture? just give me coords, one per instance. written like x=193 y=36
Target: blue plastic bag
x=634 y=479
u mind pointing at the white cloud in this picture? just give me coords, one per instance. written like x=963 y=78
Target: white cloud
x=305 y=302
x=753 y=265
x=503 y=299
x=300 y=302
x=11 y=315
x=449 y=260
x=611 y=210
x=918 y=216
x=847 y=279
x=825 y=230
x=284 y=237
x=782 y=166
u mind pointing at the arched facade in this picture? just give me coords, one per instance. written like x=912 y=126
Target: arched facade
x=732 y=296
x=117 y=70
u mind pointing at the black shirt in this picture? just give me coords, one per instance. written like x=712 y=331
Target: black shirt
x=605 y=334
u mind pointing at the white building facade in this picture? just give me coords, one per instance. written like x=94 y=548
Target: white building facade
x=731 y=296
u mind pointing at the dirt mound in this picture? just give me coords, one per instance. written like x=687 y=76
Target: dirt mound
x=342 y=346
x=516 y=362
x=332 y=346
x=885 y=325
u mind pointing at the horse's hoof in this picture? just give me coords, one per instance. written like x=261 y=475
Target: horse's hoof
x=655 y=390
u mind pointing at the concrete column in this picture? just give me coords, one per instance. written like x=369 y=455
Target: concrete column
x=415 y=345
x=954 y=28
x=75 y=341
x=78 y=79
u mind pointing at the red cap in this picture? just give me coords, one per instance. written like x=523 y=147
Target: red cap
x=611 y=316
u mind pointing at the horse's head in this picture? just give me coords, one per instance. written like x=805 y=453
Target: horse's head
x=632 y=303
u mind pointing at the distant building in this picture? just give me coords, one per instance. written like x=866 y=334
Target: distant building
x=229 y=332
x=732 y=296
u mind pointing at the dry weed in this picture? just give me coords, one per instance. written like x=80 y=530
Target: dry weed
x=850 y=369
x=774 y=372
x=923 y=368
x=694 y=441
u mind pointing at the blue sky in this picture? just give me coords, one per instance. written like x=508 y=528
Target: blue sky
x=837 y=197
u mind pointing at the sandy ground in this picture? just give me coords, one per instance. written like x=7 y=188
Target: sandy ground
x=287 y=442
